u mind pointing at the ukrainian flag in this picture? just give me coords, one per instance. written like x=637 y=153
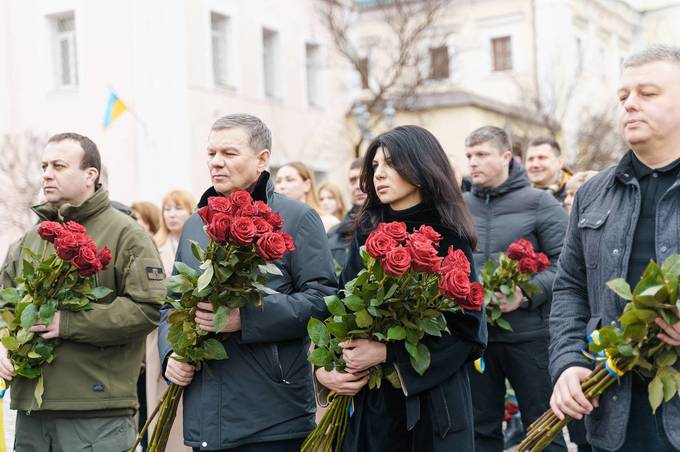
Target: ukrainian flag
x=114 y=109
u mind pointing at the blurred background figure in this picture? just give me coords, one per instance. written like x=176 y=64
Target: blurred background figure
x=295 y=181
x=545 y=166
x=330 y=199
x=176 y=209
x=147 y=215
x=574 y=184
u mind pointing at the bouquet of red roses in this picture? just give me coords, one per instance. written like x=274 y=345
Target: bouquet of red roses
x=403 y=293
x=245 y=236
x=514 y=269
x=49 y=282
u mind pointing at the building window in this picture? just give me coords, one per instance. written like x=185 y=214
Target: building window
x=270 y=63
x=502 y=53
x=66 y=62
x=363 y=67
x=439 y=63
x=219 y=28
x=313 y=64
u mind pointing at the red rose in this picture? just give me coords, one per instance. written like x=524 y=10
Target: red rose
x=271 y=246
x=275 y=220
x=262 y=226
x=394 y=229
x=75 y=227
x=247 y=210
x=455 y=284
x=424 y=256
x=220 y=204
x=218 y=229
x=430 y=233
x=455 y=260
x=262 y=208
x=240 y=198
x=86 y=261
x=527 y=265
x=542 y=262
x=475 y=299
x=104 y=255
x=397 y=261
x=50 y=230
x=290 y=243
x=67 y=245
x=206 y=214
x=378 y=244
x=520 y=249
x=242 y=231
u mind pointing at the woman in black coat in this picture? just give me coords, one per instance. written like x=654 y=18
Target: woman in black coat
x=408 y=178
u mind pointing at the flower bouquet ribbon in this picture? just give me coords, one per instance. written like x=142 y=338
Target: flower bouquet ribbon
x=401 y=295
x=245 y=237
x=630 y=344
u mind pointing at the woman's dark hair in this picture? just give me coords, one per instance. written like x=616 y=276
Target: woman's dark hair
x=420 y=160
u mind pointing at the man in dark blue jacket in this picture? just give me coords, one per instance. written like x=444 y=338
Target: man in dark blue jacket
x=262 y=397
x=506 y=208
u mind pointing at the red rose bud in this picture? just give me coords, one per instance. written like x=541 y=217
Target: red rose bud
x=378 y=244
x=475 y=299
x=520 y=249
x=424 y=256
x=87 y=262
x=272 y=246
x=219 y=227
x=220 y=204
x=67 y=245
x=542 y=262
x=527 y=265
x=206 y=214
x=263 y=209
x=430 y=233
x=262 y=226
x=397 y=261
x=75 y=227
x=104 y=255
x=275 y=220
x=240 y=198
x=242 y=230
x=456 y=260
x=455 y=284
x=290 y=243
x=50 y=230
x=395 y=229
x=247 y=210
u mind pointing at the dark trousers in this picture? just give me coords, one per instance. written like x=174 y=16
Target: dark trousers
x=645 y=430
x=525 y=365
x=290 y=445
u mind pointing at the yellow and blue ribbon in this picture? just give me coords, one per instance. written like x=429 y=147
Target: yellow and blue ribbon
x=480 y=365
x=602 y=356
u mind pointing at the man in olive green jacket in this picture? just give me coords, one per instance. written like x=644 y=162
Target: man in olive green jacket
x=90 y=388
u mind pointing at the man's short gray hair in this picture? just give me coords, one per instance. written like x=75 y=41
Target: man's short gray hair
x=657 y=52
x=260 y=137
x=498 y=137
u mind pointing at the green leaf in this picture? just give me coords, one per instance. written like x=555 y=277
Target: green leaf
x=24 y=335
x=214 y=349
x=393 y=378
x=206 y=276
x=433 y=327
x=184 y=269
x=671 y=266
x=621 y=288
x=335 y=306
x=178 y=284
x=221 y=317
x=363 y=319
x=655 y=393
x=422 y=362
x=197 y=251
x=264 y=289
x=338 y=329
x=502 y=323
x=46 y=311
x=412 y=350
x=666 y=358
x=669 y=386
x=9 y=319
x=178 y=315
x=391 y=290
x=320 y=357
x=625 y=350
x=505 y=289
x=396 y=333
x=10 y=342
x=28 y=316
x=100 y=292
x=354 y=303
x=270 y=269
x=39 y=390
x=10 y=295
x=318 y=332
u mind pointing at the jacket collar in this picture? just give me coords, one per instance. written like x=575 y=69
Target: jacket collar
x=262 y=190
x=629 y=166
x=516 y=179
x=96 y=204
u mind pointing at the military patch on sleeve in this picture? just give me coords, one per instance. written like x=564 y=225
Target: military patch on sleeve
x=155 y=273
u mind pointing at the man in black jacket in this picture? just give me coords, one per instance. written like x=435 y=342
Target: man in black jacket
x=262 y=397
x=506 y=208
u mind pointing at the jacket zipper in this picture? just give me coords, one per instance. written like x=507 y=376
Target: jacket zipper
x=487 y=251
x=275 y=351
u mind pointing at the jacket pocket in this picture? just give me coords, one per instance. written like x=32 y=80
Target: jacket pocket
x=591 y=227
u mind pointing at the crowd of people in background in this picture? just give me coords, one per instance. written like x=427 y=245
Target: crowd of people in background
x=405 y=175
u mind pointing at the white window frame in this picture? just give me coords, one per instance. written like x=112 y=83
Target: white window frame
x=314 y=74
x=68 y=37
x=271 y=76
x=222 y=75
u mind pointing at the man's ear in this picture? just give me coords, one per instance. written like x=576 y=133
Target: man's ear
x=263 y=160
x=92 y=175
